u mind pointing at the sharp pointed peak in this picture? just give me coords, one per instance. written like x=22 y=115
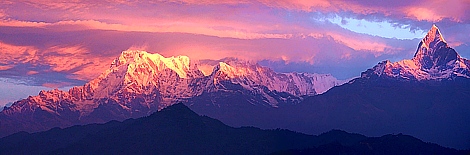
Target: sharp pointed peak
x=433 y=50
x=433 y=35
x=430 y=43
x=223 y=67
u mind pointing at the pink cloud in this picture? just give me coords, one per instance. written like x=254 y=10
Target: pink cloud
x=75 y=60
x=375 y=47
x=456 y=10
x=56 y=85
x=437 y=10
x=83 y=57
x=179 y=27
x=423 y=14
x=32 y=72
x=6 y=67
x=275 y=30
x=304 y=5
x=17 y=23
x=12 y=54
x=2 y=14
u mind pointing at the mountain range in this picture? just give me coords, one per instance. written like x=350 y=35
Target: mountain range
x=178 y=130
x=139 y=83
x=426 y=97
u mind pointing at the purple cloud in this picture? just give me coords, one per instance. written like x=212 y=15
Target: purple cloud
x=79 y=39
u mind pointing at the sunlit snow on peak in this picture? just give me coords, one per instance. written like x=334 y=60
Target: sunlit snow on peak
x=179 y=64
x=433 y=35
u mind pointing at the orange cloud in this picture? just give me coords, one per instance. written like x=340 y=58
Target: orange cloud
x=437 y=10
x=17 y=54
x=423 y=14
x=74 y=59
x=56 y=85
x=255 y=30
x=305 y=5
x=2 y=67
x=178 y=27
x=32 y=72
x=77 y=59
x=17 y=23
x=74 y=6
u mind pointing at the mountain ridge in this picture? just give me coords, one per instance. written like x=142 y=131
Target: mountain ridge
x=138 y=83
x=178 y=130
x=401 y=97
x=380 y=102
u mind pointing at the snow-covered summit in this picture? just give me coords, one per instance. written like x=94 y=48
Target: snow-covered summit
x=432 y=37
x=251 y=75
x=138 y=74
x=433 y=60
x=138 y=83
x=433 y=51
x=134 y=58
x=178 y=78
x=153 y=78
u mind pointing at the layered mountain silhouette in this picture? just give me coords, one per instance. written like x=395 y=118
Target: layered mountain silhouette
x=426 y=97
x=178 y=130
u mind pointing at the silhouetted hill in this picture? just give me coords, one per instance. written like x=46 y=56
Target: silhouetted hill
x=174 y=130
x=178 y=130
x=434 y=111
x=385 y=145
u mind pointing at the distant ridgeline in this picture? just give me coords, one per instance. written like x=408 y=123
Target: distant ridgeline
x=178 y=130
x=426 y=97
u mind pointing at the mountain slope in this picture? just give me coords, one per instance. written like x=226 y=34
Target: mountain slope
x=431 y=111
x=432 y=108
x=426 y=97
x=174 y=130
x=178 y=130
x=138 y=84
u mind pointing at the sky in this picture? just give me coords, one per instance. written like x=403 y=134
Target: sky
x=48 y=44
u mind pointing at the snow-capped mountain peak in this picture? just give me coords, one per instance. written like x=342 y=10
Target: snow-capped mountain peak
x=231 y=72
x=432 y=37
x=433 y=60
x=254 y=76
x=433 y=51
x=179 y=64
x=139 y=83
x=139 y=72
